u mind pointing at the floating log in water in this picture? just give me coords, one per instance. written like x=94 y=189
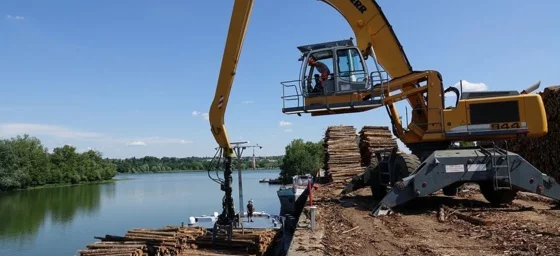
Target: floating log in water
x=181 y=241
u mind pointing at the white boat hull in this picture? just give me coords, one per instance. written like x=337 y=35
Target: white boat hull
x=288 y=199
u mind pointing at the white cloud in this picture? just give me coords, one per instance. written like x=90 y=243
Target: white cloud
x=159 y=140
x=83 y=150
x=472 y=87
x=285 y=123
x=288 y=130
x=203 y=115
x=11 y=17
x=15 y=129
x=137 y=143
x=468 y=87
x=67 y=136
x=247 y=102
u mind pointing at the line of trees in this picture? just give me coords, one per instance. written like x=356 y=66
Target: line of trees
x=25 y=162
x=301 y=157
x=150 y=164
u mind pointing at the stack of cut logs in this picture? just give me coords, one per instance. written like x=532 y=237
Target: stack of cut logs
x=248 y=242
x=342 y=155
x=541 y=152
x=373 y=138
x=181 y=241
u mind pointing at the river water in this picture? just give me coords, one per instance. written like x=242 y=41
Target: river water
x=59 y=221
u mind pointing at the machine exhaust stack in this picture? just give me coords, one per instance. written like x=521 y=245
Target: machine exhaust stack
x=531 y=88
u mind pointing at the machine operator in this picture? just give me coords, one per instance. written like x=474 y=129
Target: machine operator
x=323 y=70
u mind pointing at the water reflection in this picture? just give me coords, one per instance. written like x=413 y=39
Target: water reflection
x=22 y=213
x=59 y=221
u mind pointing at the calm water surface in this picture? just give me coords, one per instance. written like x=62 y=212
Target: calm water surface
x=59 y=221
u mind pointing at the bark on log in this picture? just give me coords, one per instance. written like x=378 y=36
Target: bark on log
x=113 y=245
x=468 y=218
x=373 y=138
x=342 y=154
x=174 y=240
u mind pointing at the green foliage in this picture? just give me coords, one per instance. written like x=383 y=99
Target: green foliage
x=466 y=144
x=150 y=164
x=301 y=158
x=25 y=163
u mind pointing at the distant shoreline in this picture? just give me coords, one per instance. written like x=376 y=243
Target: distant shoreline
x=118 y=179
x=63 y=185
x=180 y=171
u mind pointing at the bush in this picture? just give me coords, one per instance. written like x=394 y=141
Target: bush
x=302 y=157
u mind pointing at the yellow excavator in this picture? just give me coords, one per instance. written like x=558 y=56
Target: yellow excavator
x=348 y=86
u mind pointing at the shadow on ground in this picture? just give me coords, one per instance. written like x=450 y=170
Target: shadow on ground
x=420 y=205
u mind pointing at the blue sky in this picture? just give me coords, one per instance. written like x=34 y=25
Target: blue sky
x=135 y=78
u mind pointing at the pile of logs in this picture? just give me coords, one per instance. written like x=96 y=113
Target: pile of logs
x=181 y=241
x=542 y=152
x=373 y=138
x=342 y=155
x=247 y=242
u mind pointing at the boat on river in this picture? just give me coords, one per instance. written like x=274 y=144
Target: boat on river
x=275 y=182
x=288 y=194
x=261 y=219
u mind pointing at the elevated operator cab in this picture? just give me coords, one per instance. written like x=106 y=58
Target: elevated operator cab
x=346 y=86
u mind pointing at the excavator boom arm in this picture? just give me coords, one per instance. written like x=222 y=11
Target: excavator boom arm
x=234 y=43
x=371 y=28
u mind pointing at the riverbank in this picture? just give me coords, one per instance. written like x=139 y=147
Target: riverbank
x=69 y=185
x=120 y=179
x=64 y=185
x=529 y=226
x=181 y=171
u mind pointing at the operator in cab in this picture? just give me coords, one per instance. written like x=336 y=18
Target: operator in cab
x=322 y=69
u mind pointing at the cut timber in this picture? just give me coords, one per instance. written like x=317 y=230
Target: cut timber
x=181 y=241
x=465 y=217
x=342 y=155
x=373 y=138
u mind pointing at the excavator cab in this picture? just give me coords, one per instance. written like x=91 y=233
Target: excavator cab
x=346 y=85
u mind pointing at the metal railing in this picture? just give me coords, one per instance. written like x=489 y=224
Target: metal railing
x=425 y=125
x=300 y=89
x=291 y=97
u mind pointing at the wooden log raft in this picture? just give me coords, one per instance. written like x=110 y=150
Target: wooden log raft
x=342 y=155
x=170 y=241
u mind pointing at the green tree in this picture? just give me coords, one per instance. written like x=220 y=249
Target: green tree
x=466 y=144
x=24 y=163
x=301 y=157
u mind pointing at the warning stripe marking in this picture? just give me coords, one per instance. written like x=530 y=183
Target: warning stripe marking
x=221 y=101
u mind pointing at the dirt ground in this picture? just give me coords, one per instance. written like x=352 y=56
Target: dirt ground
x=529 y=226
